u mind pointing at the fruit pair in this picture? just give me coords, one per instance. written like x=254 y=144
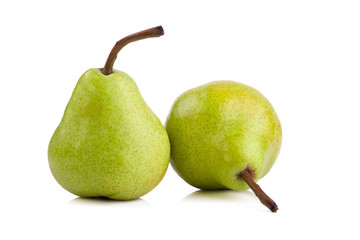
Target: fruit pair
x=223 y=135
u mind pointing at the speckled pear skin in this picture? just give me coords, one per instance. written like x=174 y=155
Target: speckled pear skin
x=217 y=130
x=109 y=143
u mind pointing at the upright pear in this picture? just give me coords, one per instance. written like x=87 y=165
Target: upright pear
x=109 y=143
x=224 y=135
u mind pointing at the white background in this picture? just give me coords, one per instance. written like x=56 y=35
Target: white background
x=304 y=56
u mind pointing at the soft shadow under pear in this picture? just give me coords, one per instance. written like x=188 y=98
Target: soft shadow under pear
x=103 y=201
x=219 y=195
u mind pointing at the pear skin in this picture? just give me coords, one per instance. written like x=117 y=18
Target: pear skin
x=109 y=143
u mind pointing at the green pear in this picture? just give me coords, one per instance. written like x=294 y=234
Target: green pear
x=109 y=143
x=224 y=135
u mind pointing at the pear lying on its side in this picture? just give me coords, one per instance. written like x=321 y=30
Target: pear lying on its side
x=109 y=143
x=224 y=135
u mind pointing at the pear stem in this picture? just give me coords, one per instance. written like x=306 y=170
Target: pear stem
x=248 y=177
x=148 y=33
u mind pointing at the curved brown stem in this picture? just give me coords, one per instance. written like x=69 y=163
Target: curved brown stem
x=148 y=33
x=248 y=177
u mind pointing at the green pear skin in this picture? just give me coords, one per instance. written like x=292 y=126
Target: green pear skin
x=109 y=143
x=218 y=130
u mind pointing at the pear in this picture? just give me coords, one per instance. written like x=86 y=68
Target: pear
x=224 y=135
x=109 y=143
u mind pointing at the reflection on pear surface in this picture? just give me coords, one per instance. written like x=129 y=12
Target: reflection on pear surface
x=102 y=201
x=219 y=195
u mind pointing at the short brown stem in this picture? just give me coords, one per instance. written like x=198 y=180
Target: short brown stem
x=148 y=33
x=248 y=177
